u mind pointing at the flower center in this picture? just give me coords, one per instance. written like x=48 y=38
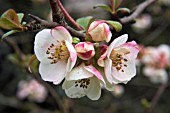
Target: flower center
x=83 y=83
x=118 y=60
x=57 y=53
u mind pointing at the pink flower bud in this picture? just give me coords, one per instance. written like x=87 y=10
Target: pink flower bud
x=99 y=31
x=85 y=50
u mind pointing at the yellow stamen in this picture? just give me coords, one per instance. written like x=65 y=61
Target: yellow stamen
x=57 y=53
x=118 y=61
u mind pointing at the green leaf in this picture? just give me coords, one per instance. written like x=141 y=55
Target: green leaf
x=116 y=3
x=116 y=25
x=106 y=7
x=8 y=24
x=11 y=15
x=31 y=61
x=10 y=20
x=84 y=22
x=20 y=17
x=9 y=33
x=24 y=23
x=76 y=40
x=13 y=58
x=145 y=103
x=126 y=10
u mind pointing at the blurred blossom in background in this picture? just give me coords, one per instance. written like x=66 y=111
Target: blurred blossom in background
x=142 y=23
x=32 y=90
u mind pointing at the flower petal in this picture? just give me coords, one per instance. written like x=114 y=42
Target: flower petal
x=73 y=56
x=60 y=33
x=102 y=52
x=132 y=46
x=100 y=33
x=129 y=71
x=53 y=72
x=94 y=71
x=43 y=40
x=94 y=24
x=107 y=70
x=116 y=43
x=72 y=91
x=94 y=90
x=78 y=73
x=108 y=33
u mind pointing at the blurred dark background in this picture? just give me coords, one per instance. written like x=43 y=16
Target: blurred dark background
x=137 y=93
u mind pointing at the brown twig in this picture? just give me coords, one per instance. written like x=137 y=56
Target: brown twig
x=40 y=23
x=57 y=14
x=140 y=8
x=68 y=16
x=52 y=92
x=157 y=96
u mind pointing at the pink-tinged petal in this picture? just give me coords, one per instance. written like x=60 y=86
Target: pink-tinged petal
x=94 y=71
x=78 y=73
x=94 y=91
x=103 y=52
x=94 y=24
x=84 y=46
x=108 y=71
x=132 y=46
x=100 y=33
x=80 y=47
x=87 y=55
x=60 y=33
x=73 y=55
x=116 y=43
x=85 y=50
x=43 y=41
x=128 y=72
x=108 y=33
x=53 y=72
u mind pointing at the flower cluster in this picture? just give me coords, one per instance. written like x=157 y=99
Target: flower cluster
x=85 y=66
x=156 y=61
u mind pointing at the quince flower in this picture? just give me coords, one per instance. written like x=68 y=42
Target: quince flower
x=119 y=64
x=32 y=90
x=99 y=31
x=85 y=50
x=156 y=75
x=158 y=57
x=83 y=80
x=54 y=50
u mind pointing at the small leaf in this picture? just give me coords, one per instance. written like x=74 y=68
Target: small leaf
x=116 y=25
x=9 y=33
x=20 y=17
x=84 y=22
x=116 y=3
x=11 y=15
x=106 y=7
x=24 y=23
x=13 y=58
x=32 y=59
x=76 y=40
x=123 y=10
x=145 y=103
x=10 y=20
x=8 y=24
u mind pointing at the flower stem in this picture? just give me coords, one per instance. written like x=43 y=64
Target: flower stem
x=68 y=16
